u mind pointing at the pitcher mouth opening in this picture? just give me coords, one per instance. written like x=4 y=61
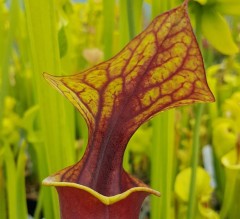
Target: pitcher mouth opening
x=107 y=200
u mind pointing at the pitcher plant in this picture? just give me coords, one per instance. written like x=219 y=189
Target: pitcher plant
x=159 y=69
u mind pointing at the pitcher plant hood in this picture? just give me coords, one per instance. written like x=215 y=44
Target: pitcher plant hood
x=159 y=69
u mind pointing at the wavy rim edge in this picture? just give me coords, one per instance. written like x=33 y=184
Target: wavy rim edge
x=107 y=200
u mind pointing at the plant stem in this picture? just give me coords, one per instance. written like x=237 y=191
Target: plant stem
x=10 y=182
x=123 y=24
x=162 y=163
x=156 y=170
x=196 y=143
x=134 y=13
x=20 y=182
x=15 y=182
x=131 y=24
x=108 y=29
x=3 y=201
x=194 y=163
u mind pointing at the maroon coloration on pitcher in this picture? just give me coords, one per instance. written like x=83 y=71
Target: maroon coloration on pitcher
x=159 y=69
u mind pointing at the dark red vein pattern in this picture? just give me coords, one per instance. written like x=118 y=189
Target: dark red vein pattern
x=159 y=69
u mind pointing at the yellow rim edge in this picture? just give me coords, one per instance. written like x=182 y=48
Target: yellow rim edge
x=107 y=200
x=229 y=159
